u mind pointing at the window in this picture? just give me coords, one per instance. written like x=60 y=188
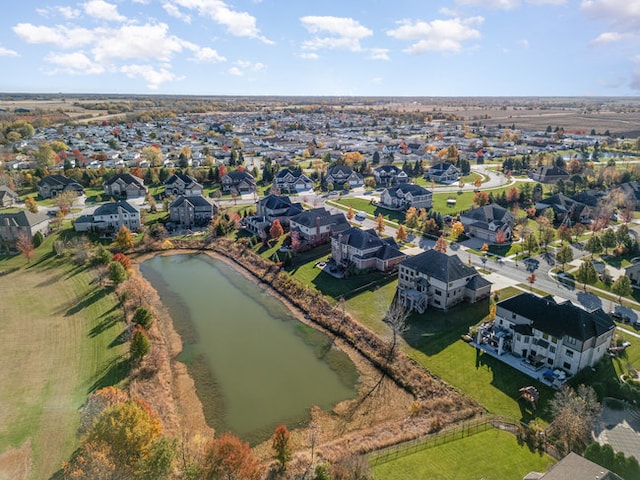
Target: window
x=570 y=353
x=566 y=366
x=571 y=341
x=513 y=316
x=545 y=336
x=552 y=349
x=438 y=292
x=526 y=339
x=518 y=336
x=554 y=340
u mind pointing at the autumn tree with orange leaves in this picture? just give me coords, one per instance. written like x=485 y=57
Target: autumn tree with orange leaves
x=441 y=245
x=228 y=457
x=280 y=444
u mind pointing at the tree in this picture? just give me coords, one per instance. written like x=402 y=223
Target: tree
x=102 y=256
x=117 y=273
x=593 y=245
x=350 y=213
x=564 y=233
x=586 y=273
x=531 y=279
x=574 y=413
x=401 y=234
x=276 y=230
x=603 y=455
x=45 y=156
x=143 y=316
x=97 y=403
x=477 y=182
x=547 y=235
x=140 y=344
x=441 y=245
x=281 y=447
x=31 y=204
x=124 y=239
x=122 y=259
x=227 y=457
x=411 y=218
x=64 y=201
x=564 y=255
x=380 y=225
x=396 y=318
x=622 y=287
x=152 y=155
x=530 y=243
x=457 y=229
x=481 y=199
x=24 y=244
x=501 y=237
x=608 y=239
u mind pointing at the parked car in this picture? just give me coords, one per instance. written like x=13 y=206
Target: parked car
x=360 y=216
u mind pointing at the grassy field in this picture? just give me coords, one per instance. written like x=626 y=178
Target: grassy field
x=58 y=337
x=489 y=455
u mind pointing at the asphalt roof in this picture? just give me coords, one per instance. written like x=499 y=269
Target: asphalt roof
x=195 y=200
x=24 y=218
x=559 y=319
x=113 y=208
x=441 y=266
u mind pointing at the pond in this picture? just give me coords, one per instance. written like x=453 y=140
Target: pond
x=254 y=365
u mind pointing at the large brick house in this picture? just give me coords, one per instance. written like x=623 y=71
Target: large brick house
x=316 y=226
x=364 y=249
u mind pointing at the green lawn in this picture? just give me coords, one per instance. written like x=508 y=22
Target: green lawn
x=489 y=455
x=58 y=333
x=360 y=204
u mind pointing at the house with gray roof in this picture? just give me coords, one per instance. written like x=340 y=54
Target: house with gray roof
x=318 y=225
x=181 y=184
x=487 y=221
x=340 y=175
x=566 y=210
x=8 y=197
x=551 y=334
x=12 y=225
x=240 y=182
x=364 y=249
x=125 y=185
x=405 y=196
x=573 y=467
x=289 y=181
x=443 y=172
x=389 y=175
x=548 y=174
x=109 y=218
x=52 y=185
x=191 y=211
x=440 y=280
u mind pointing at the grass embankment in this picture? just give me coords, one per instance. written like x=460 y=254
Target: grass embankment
x=58 y=337
x=468 y=459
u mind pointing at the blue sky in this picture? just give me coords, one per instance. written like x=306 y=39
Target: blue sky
x=327 y=47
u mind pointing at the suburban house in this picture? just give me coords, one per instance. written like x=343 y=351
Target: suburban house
x=239 y=182
x=364 y=249
x=633 y=272
x=487 y=221
x=191 y=211
x=288 y=181
x=632 y=192
x=548 y=174
x=574 y=466
x=566 y=210
x=550 y=334
x=317 y=226
x=52 y=185
x=340 y=175
x=109 y=218
x=403 y=196
x=12 y=225
x=125 y=185
x=181 y=184
x=8 y=197
x=444 y=172
x=440 y=280
x=268 y=209
x=389 y=175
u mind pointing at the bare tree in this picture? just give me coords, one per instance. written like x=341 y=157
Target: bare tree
x=574 y=413
x=24 y=244
x=396 y=318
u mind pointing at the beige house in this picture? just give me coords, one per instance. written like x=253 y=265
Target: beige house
x=12 y=225
x=364 y=249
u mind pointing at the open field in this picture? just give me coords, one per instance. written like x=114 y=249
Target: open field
x=493 y=454
x=58 y=336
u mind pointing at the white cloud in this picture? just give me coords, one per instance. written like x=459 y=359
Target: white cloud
x=547 y=2
x=379 y=54
x=103 y=10
x=76 y=63
x=153 y=76
x=524 y=43
x=235 y=71
x=334 y=33
x=240 y=24
x=622 y=14
x=241 y=67
x=149 y=41
x=606 y=38
x=5 y=52
x=67 y=12
x=207 y=55
x=309 y=56
x=448 y=12
x=437 y=35
x=175 y=12
x=60 y=36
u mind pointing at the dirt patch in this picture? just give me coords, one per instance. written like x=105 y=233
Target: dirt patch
x=15 y=464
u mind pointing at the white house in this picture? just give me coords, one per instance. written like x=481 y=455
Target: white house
x=109 y=218
x=404 y=196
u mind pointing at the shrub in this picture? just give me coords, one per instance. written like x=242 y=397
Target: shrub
x=38 y=238
x=143 y=317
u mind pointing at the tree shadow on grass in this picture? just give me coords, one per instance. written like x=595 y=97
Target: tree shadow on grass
x=95 y=296
x=108 y=322
x=113 y=373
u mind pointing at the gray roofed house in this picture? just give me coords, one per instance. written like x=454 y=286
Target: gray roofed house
x=566 y=210
x=316 y=226
x=548 y=174
x=574 y=467
x=404 y=196
x=12 y=225
x=444 y=172
x=339 y=175
x=288 y=181
x=240 y=182
x=109 y=218
x=191 y=211
x=364 y=249
x=52 y=185
x=485 y=222
x=440 y=280
x=7 y=197
x=556 y=335
x=125 y=185
x=181 y=184
x=387 y=175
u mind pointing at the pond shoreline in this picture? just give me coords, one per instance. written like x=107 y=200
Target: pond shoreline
x=394 y=413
